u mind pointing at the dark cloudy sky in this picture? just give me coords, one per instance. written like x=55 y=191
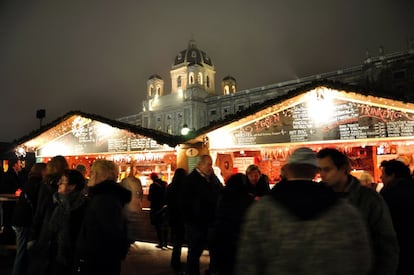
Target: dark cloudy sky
x=96 y=55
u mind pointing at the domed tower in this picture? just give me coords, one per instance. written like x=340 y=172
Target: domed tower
x=155 y=86
x=192 y=68
x=228 y=85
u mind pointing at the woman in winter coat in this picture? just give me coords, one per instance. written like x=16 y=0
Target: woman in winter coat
x=23 y=215
x=53 y=252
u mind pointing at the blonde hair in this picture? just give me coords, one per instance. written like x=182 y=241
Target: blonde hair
x=104 y=170
x=366 y=179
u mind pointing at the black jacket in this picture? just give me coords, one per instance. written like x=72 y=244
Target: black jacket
x=103 y=240
x=27 y=203
x=9 y=182
x=399 y=198
x=260 y=189
x=200 y=197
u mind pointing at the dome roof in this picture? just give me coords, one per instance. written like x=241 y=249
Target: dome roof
x=229 y=77
x=192 y=55
x=154 y=76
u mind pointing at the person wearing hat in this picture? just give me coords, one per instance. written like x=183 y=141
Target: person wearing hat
x=302 y=227
x=335 y=171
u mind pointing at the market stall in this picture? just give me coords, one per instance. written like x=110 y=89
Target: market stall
x=83 y=138
x=369 y=129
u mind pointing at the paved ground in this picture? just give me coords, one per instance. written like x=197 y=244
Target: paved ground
x=143 y=259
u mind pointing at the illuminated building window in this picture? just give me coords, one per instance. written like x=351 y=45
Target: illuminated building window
x=179 y=81
x=233 y=89
x=200 y=78
x=226 y=90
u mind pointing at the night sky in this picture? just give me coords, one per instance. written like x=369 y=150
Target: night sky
x=96 y=55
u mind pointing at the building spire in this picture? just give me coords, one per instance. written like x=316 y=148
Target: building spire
x=192 y=43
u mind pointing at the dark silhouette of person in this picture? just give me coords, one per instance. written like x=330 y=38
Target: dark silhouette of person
x=156 y=195
x=56 y=244
x=23 y=215
x=175 y=215
x=398 y=193
x=201 y=193
x=54 y=171
x=39 y=250
x=103 y=241
x=302 y=227
x=10 y=181
x=232 y=206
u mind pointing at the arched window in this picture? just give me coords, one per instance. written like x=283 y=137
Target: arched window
x=191 y=78
x=226 y=90
x=200 y=78
x=151 y=91
x=158 y=91
x=179 y=81
x=208 y=81
x=233 y=89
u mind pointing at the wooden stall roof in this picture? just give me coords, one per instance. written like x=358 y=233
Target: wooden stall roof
x=351 y=89
x=48 y=132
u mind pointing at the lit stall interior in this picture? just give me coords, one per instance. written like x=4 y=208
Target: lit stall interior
x=82 y=140
x=367 y=129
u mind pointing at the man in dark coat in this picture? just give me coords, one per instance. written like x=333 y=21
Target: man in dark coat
x=232 y=206
x=200 y=196
x=175 y=215
x=8 y=185
x=398 y=193
x=156 y=195
x=103 y=238
x=23 y=215
x=10 y=180
x=335 y=171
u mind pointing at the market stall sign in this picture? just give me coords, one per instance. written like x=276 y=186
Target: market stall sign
x=89 y=136
x=338 y=119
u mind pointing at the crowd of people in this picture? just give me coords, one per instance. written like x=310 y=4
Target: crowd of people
x=300 y=226
x=67 y=224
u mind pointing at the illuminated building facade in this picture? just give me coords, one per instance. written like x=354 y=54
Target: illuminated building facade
x=194 y=102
